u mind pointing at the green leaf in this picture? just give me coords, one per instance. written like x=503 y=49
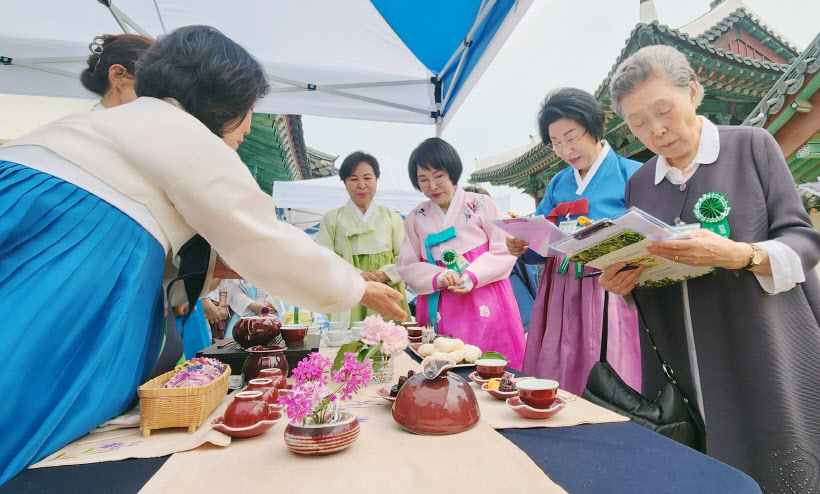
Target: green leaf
x=353 y=347
x=368 y=352
x=494 y=355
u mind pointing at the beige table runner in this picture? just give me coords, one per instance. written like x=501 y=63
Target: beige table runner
x=384 y=457
x=128 y=443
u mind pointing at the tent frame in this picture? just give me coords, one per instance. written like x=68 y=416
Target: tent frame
x=129 y=26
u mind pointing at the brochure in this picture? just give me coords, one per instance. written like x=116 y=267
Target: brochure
x=625 y=237
x=537 y=230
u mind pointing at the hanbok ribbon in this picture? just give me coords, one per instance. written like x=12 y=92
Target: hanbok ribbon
x=571 y=208
x=430 y=241
x=712 y=209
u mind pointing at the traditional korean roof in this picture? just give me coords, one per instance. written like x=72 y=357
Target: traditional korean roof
x=275 y=149
x=727 y=14
x=321 y=164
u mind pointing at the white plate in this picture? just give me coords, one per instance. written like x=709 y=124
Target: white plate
x=414 y=347
x=329 y=343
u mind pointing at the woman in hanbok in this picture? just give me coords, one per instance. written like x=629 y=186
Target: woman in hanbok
x=363 y=233
x=108 y=207
x=456 y=261
x=564 y=340
x=744 y=342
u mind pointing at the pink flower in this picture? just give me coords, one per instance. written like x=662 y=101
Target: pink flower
x=392 y=336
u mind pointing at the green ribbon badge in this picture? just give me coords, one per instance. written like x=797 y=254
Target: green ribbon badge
x=711 y=210
x=453 y=261
x=564 y=265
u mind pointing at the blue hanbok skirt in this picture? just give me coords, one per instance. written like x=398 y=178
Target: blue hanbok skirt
x=82 y=313
x=196 y=333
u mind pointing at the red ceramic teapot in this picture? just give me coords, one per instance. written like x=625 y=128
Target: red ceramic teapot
x=257 y=330
x=436 y=402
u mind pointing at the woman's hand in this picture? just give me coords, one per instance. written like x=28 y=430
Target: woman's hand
x=620 y=283
x=465 y=287
x=706 y=248
x=380 y=297
x=257 y=307
x=211 y=312
x=517 y=247
x=376 y=275
x=448 y=278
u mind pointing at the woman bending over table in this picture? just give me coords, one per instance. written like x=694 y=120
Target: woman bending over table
x=97 y=206
x=472 y=302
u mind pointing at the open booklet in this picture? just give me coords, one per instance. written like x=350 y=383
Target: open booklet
x=625 y=237
x=537 y=230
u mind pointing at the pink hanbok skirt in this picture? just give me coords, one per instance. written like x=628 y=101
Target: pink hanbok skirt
x=564 y=340
x=486 y=317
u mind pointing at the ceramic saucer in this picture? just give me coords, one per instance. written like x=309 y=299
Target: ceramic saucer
x=529 y=412
x=480 y=380
x=245 y=432
x=329 y=343
x=384 y=392
x=499 y=395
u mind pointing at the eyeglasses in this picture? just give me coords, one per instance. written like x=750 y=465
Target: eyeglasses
x=424 y=182
x=568 y=144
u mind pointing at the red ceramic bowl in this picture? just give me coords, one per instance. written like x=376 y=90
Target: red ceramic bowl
x=266 y=387
x=254 y=430
x=294 y=334
x=499 y=395
x=323 y=439
x=414 y=331
x=409 y=324
x=537 y=393
x=555 y=406
x=481 y=381
x=275 y=375
x=247 y=409
x=490 y=368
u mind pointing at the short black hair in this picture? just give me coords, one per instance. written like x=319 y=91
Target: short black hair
x=352 y=161
x=573 y=104
x=112 y=49
x=434 y=154
x=212 y=77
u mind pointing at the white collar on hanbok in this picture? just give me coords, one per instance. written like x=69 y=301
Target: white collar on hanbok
x=454 y=202
x=97 y=107
x=583 y=182
x=355 y=208
x=708 y=150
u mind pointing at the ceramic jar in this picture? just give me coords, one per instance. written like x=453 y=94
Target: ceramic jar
x=257 y=330
x=322 y=439
x=275 y=375
x=436 y=402
x=264 y=358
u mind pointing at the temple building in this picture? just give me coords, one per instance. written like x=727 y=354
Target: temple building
x=275 y=150
x=752 y=75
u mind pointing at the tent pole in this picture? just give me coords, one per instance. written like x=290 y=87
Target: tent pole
x=482 y=13
x=124 y=21
x=355 y=85
x=33 y=63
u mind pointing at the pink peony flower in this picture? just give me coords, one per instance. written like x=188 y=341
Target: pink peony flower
x=392 y=336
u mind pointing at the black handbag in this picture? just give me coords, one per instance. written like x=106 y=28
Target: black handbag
x=670 y=414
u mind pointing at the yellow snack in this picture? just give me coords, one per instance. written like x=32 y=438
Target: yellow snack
x=493 y=383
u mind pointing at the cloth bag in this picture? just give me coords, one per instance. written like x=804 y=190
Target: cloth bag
x=670 y=414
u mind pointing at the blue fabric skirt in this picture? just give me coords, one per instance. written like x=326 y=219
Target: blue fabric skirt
x=82 y=313
x=196 y=333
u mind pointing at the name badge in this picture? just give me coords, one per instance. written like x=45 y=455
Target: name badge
x=568 y=226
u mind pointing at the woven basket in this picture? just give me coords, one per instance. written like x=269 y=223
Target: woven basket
x=161 y=408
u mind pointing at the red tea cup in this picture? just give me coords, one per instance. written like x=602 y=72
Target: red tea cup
x=537 y=393
x=490 y=368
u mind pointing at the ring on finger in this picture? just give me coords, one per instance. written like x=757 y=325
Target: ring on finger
x=676 y=258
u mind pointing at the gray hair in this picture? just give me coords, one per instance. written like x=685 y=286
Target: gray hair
x=649 y=61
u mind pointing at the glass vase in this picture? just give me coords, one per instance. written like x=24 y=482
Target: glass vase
x=383 y=368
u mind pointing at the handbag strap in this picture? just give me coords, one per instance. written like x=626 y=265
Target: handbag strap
x=667 y=369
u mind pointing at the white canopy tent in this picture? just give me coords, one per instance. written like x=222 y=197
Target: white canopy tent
x=385 y=60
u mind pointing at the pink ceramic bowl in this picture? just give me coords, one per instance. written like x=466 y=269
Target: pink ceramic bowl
x=537 y=393
x=499 y=395
x=555 y=406
x=254 y=430
x=490 y=368
x=294 y=334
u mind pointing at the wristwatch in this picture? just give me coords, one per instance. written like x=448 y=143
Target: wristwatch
x=756 y=258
